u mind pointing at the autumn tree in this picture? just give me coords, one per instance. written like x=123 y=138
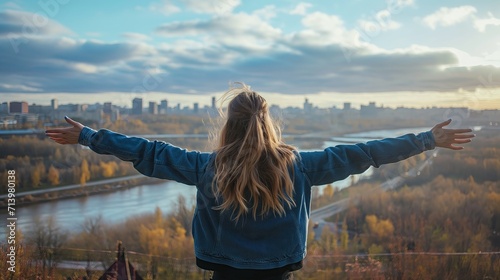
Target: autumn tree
x=108 y=168
x=85 y=172
x=53 y=176
x=37 y=174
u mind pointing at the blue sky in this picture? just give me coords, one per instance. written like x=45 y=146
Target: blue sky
x=412 y=53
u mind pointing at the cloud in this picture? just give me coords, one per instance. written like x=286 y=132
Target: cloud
x=241 y=30
x=382 y=21
x=136 y=36
x=401 y=3
x=212 y=6
x=165 y=7
x=301 y=8
x=266 y=13
x=15 y=24
x=202 y=56
x=449 y=16
x=481 y=24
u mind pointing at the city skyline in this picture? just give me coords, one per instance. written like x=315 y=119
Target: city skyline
x=213 y=104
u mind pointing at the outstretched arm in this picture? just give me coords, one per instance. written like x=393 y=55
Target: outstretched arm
x=151 y=158
x=336 y=163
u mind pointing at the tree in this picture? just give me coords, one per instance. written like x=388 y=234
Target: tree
x=37 y=174
x=328 y=191
x=53 y=176
x=85 y=172
x=344 y=236
x=380 y=228
x=108 y=168
x=48 y=239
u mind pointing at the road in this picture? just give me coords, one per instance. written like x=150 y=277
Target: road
x=318 y=215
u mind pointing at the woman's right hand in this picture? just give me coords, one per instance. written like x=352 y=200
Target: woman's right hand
x=67 y=135
x=447 y=138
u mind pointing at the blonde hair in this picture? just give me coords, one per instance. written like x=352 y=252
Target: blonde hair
x=252 y=163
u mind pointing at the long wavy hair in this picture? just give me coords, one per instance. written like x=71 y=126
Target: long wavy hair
x=252 y=163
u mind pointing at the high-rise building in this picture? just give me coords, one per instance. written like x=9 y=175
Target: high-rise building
x=107 y=108
x=213 y=103
x=153 y=108
x=196 y=108
x=4 y=108
x=19 y=107
x=54 y=104
x=307 y=106
x=137 y=106
x=347 y=105
x=163 y=106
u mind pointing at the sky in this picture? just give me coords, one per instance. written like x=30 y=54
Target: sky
x=412 y=53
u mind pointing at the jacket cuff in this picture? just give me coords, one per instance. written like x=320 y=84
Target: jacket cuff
x=86 y=135
x=428 y=140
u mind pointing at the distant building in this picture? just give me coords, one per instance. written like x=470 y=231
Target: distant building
x=4 y=108
x=115 y=115
x=153 y=108
x=19 y=107
x=214 y=106
x=307 y=106
x=137 y=106
x=196 y=108
x=347 y=105
x=36 y=109
x=54 y=104
x=107 y=108
x=369 y=111
x=163 y=106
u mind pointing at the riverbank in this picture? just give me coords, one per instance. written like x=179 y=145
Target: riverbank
x=91 y=189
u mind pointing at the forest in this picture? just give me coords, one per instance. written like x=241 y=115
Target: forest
x=442 y=224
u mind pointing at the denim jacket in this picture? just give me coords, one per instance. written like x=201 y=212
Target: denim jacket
x=267 y=242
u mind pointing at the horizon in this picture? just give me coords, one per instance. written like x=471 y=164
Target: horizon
x=317 y=100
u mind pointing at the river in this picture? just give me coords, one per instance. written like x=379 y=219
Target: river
x=117 y=206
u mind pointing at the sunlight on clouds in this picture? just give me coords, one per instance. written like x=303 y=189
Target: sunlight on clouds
x=449 y=16
x=19 y=87
x=323 y=30
x=382 y=22
x=85 y=68
x=465 y=59
x=481 y=24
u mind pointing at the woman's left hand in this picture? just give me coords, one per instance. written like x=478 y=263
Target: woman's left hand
x=67 y=135
x=449 y=138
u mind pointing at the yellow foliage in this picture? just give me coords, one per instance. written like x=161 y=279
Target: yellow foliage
x=380 y=228
x=108 y=168
x=53 y=176
x=84 y=172
x=154 y=241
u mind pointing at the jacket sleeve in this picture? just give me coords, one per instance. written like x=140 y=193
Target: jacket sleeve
x=337 y=163
x=151 y=158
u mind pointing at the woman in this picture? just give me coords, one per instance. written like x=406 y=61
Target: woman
x=254 y=191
